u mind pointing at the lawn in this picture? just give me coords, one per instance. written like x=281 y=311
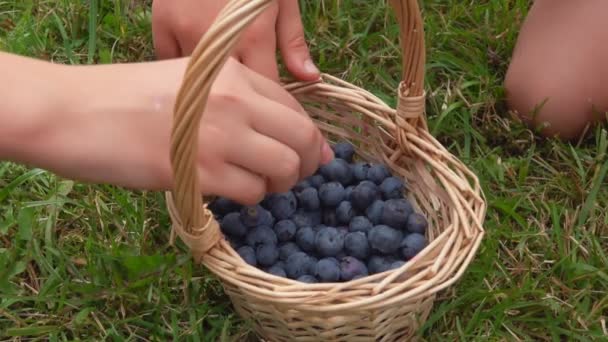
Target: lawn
x=85 y=262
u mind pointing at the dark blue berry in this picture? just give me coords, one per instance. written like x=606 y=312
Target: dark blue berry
x=360 y=224
x=285 y=230
x=287 y=249
x=377 y=173
x=302 y=219
x=329 y=241
x=316 y=217
x=364 y=195
x=385 y=239
x=248 y=255
x=231 y=224
x=330 y=217
x=396 y=212
x=360 y=170
x=337 y=170
x=222 y=206
x=374 y=212
x=392 y=188
x=306 y=278
x=301 y=186
x=351 y=267
x=348 y=191
x=327 y=270
x=412 y=245
x=283 y=205
x=309 y=199
x=266 y=255
x=316 y=181
x=345 y=212
x=236 y=242
x=261 y=235
x=356 y=245
x=277 y=270
x=379 y=264
x=416 y=223
x=253 y=216
x=331 y=194
x=297 y=265
x=305 y=238
x=344 y=150
x=397 y=264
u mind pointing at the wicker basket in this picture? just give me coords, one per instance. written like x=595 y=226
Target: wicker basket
x=389 y=306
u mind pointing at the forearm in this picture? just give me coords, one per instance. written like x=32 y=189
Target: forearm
x=84 y=122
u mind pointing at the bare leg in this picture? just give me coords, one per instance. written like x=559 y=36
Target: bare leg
x=559 y=72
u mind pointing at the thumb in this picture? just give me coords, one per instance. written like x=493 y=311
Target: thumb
x=291 y=41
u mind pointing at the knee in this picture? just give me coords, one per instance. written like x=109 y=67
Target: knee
x=554 y=105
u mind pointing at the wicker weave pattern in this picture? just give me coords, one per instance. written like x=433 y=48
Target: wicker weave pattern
x=384 y=307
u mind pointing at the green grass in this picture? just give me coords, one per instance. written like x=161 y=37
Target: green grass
x=93 y=262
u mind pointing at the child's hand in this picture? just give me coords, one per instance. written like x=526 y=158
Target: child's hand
x=254 y=137
x=178 y=25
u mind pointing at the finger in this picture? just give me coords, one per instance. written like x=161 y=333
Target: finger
x=296 y=131
x=292 y=42
x=262 y=155
x=164 y=41
x=262 y=60
x=235 y=183
x=274 y=91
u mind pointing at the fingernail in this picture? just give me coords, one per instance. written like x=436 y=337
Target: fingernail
x=310 y=67
x=327 y=154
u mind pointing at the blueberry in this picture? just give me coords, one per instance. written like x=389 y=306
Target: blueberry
x=385 y=239
x=309 y=199
x=374 y=211
x=392 y=188
x=301 y=186
x=379 y=264
x=345 y=212
x=223 y=206
x=231 y=224
x=329 y=241
x=261 y=235
x=413 y=244
x=287 y=249
x=337 y=170
x=316 y=181
x=277 y=270
x=330 y=218
x=356 y=245
x=344 y=150
x=305 y=238
x=364 y=195
x=327 y=270
x=351 y=267
x=360 y=224
x=306 y=278
x=377 y=173
x=342 y=230
x=266 y=254
x=297 y=265
x=256 y=215
x=348 y=192
x=235 y=242
x=360 y=170
x=316 y=217
x=283 y=205
x=285 y=230
x=331 y=194
x=416 y=223
x=302 y=219
x=397 y=264
x=395 y=213
x=248 y=255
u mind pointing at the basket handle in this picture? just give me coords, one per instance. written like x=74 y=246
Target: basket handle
x=192 y=221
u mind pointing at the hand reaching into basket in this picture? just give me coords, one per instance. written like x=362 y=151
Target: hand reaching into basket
x=178 y=25
x=112 y=124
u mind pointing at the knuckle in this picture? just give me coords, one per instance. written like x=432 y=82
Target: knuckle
x=289 y=165
x=310 y=135
x=297 y=41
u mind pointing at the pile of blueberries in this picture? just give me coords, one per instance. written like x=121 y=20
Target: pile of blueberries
x=348 y=220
